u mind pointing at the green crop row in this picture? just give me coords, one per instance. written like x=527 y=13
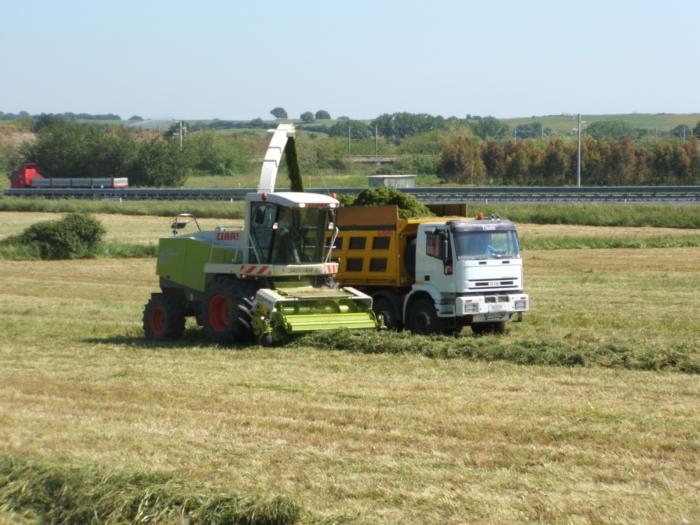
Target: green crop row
x=55 y=493
x=677 y=358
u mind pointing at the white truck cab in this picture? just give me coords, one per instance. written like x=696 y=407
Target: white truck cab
x=472 y=271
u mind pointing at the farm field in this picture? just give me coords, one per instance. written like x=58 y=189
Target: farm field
x=371 y=438
x=143 y=229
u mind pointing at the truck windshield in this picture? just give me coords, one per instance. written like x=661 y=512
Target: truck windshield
x=299 y=237
x=486 y=244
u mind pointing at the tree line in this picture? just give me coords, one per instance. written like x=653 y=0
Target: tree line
x=466 y=160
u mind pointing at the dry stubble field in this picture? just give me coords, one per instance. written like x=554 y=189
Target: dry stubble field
x=373 y=438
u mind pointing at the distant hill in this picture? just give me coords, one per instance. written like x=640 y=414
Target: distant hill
x=565 y=123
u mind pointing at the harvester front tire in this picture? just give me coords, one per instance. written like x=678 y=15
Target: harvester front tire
x=226 y=311
x=163 y=318
x=384 y=307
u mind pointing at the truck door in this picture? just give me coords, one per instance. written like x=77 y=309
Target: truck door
x=434 y=259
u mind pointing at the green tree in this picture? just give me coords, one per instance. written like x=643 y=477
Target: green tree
x=609 y=129
x=307 y=116
x=696 y=130
x=460 y=161
x=159 y=163
x=322 y=114
x=358 y=130
x=555 y=163
x=490 y=128
x=494 y=160
x=681 y=131
x=523 y=162
x=279 y=113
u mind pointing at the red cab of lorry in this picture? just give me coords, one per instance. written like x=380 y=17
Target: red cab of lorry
x=22 y=177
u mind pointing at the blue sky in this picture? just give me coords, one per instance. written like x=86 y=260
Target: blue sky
x=238 y=60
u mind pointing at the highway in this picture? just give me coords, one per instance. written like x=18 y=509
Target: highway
x=679 y=194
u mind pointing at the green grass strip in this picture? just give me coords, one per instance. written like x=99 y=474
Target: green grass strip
x=56 y=493
x=587 y=214
x=217 y=209
x=678 y=358
x=569 y=243
x=596 y=214
x=12 y=250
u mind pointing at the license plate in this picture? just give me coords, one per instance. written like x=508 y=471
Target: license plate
x=498 y=307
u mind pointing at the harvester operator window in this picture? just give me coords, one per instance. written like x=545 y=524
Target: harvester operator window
x=262 y=221
x=299 y=236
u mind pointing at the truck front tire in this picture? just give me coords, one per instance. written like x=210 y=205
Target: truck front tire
x=422 y=317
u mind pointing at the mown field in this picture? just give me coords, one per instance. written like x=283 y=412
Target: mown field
x=381 y=434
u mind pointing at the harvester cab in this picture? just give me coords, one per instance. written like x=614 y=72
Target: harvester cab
x=268 y=280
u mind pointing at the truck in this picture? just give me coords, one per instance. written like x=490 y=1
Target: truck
x=29 y=176
x=263 y=282
x=434 y=274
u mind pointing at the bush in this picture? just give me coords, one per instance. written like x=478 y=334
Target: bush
x=75 y=236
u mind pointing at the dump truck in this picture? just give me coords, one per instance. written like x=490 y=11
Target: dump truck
x=268 y=280
x=434 y=274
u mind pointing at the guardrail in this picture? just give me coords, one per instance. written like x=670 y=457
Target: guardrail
x=686 y=194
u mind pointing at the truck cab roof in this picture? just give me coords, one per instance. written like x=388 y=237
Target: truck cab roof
x=480 y=225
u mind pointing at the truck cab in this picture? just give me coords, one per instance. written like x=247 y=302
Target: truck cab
x=472 y=271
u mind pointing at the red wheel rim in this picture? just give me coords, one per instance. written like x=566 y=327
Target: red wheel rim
x=157 y=320
x=219 y=318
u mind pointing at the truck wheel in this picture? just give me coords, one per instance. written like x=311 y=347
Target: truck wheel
x=384 y=307
x=163 y=318
x=225 y=312
x=422 y=317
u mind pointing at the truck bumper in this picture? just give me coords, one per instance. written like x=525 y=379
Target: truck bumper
x=500 y=307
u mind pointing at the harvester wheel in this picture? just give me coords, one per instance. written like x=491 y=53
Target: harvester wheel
x=422 y=317
x=163 y=318
x=226 y=311
x=384 y=307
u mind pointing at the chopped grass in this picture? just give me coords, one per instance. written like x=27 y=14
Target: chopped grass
x=55 y=493
x=678 y=358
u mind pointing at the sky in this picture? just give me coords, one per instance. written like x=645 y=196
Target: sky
x=239 y=59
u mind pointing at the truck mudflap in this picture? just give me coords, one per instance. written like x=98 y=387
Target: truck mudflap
x=280 y=313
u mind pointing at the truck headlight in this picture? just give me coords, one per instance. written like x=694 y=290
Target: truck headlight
x=471 y=308
x=521 y=305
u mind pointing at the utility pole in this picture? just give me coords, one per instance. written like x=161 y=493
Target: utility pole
x=376 y=143
x=349 y=130
x=182 y=132
x=578 y=154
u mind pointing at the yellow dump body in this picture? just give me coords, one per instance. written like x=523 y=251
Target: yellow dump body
x=371 y=247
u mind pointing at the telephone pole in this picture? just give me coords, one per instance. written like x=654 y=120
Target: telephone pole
x=578 y=153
